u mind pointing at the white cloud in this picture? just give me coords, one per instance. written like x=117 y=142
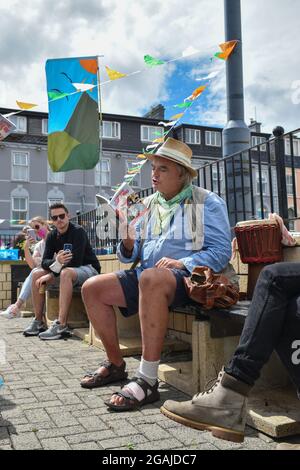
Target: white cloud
x=123 y=31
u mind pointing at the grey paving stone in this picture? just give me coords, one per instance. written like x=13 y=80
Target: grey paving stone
x=56 y=443
x=127 y=442
x=86 y=446
x=63 y=419
x=159 y=445
x=25 y=441
x=37 y=415
x=122 y=427
x=92 y=423
x=90 y=436
x=188 y=435
x=153 y=431
x=59 y=432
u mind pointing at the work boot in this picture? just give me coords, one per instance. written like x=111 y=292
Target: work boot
x=221 y=409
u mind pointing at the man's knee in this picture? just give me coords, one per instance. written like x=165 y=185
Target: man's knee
x=37 y=273
x=155 y=277
x=272 y=271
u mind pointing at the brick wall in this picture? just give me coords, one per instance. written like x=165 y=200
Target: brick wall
x=5 y=285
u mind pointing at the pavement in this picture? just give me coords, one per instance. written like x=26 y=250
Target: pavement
x=42 y=405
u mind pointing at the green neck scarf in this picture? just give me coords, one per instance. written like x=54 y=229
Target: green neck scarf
x=163 y=210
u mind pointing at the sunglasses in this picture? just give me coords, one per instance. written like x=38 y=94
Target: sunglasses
x=55 y=217
x=37 y=227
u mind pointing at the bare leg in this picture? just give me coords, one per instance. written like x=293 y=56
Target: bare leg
x=157 y=288
x=38 y=299
x=67 y=277
x=99 y=294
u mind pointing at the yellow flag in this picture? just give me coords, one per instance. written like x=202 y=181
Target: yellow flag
x=140 y=155
x=198 y=91
x=113 y=74
x=159 y=140
x=25 y=105
x=176 y=116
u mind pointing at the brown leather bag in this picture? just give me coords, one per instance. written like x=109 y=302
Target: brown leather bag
x=211 y=290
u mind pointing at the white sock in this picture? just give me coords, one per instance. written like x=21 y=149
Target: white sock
x=147 y=371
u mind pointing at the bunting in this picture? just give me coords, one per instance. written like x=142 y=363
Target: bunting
x=227 y=49
x=23 y=105
x=152 y=62
x=113 y=74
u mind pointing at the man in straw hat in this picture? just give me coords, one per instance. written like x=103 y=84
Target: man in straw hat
x=186 y=226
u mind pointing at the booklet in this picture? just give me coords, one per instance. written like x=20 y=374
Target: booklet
x=127 y=205
x=6 y=127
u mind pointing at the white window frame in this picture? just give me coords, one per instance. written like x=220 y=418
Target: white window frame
x=289 y=184
x=151 y=133
x=193 y=136
x=115 y=130
x=14 y=165
x=45 y=126
x=129 y=163
x=17 y=210
x=21 y=124
x=54 y=200
x=264 y=182
x=99 y=174
x=256 y=140
x=55 y=177
x=296 y=147
x=212 y=137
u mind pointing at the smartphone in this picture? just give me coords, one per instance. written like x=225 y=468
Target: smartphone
x=68 y=247
x=31 y=233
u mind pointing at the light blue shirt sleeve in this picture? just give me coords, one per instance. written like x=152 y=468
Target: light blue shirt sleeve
x=216 y=250
x=135 y=251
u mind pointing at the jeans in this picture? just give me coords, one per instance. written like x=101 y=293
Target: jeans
x=26 y=288
x=273 y=323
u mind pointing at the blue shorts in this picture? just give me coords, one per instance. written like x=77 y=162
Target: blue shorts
x=130 y=286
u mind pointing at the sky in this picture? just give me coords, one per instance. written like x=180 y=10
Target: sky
x=123 y=31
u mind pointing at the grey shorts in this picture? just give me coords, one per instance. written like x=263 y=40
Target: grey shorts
x=83 y=273
x=130 y=286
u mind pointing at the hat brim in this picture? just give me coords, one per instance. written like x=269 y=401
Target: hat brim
x=191 y=170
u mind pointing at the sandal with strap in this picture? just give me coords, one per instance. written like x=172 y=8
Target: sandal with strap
x=130 y=402
x=97 y=380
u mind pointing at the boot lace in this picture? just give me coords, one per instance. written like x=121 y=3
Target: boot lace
x=211 y=385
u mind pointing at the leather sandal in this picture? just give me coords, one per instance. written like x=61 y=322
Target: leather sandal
x=97 y=380
x=130 y=402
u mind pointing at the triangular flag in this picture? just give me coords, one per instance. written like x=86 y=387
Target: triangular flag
x=227 y=49
x=167 y=124
x=25 y=105
x=209 y=76
x=141 y=155
x=159 y=140
x=187 y=104
x=196 y=93
x=57 y=95
x=151 y=61
x=176 y=116
x=113 y=74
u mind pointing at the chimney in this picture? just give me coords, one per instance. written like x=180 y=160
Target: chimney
x=156 y=112
x=255 y=126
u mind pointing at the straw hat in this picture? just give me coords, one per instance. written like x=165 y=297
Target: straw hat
x=177 y=152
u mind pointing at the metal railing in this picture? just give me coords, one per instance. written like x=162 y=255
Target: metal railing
x=254 y=183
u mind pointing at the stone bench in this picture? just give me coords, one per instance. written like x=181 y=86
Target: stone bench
x=77 y=315
x=214 y=334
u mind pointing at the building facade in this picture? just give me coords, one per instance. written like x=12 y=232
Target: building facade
x=28 y=186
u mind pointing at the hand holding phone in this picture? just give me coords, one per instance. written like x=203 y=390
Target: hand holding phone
x=68 y=247
x=31 y=233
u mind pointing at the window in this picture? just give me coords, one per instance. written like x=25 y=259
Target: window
x=19 y=209
x=256 y=140
x=137 y=179
x=20 y=122
x=54 y=201
x=45 y=126
x=213 y=138
x=55 y=176
x=289 y=185
x=192 y=136
x=296 y=147
x=20 y=166
x=103 y=172
x=150 y=133
x=264 y=182
x=111 y=130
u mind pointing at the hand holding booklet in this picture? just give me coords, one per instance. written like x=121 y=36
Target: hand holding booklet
x=127 y=205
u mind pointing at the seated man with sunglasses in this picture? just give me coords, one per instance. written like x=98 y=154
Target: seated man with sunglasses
x=61 y=266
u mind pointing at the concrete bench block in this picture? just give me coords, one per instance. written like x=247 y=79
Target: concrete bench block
x=77 y=315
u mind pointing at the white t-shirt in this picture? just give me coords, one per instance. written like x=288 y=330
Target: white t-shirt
x=38 y=252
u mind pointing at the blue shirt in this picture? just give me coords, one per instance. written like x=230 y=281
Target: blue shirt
x=176 y=243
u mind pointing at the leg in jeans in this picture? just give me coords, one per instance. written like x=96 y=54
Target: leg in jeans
x=26 y=288
x=267 y=322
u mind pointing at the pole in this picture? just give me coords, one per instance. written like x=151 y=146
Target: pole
x=236 y=134
x=100 y=122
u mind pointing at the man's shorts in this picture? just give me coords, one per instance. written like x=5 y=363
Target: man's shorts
x=130 y=286
x=83 y=273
